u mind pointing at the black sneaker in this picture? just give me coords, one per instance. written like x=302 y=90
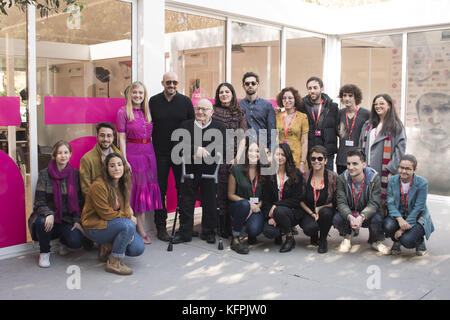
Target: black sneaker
x=238 y=246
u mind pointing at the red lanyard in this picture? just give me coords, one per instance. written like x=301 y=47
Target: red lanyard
x=405 y=197
x=353 y=124
x=316 y=195
x=359 y=192
x=286 y=130
x=281 y=188
x=318 y=114
x=255 y=185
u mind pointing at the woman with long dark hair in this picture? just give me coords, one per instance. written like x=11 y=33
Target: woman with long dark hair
x=57 y=204
x=107 y=217
x=383 y=140
x=244 y=192
x=281 y=196
x=319 y=199
x=228 y=111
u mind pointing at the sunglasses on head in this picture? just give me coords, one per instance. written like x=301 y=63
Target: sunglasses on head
x=317 y=158
x=169 y=82
x=247 y=83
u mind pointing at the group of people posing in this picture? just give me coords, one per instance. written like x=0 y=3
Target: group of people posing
x=106 y=201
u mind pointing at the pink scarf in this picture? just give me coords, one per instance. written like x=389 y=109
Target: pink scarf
x=72 y=189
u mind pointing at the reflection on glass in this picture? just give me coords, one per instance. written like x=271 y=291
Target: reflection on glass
x=428 y=107
x=256 y=49
x=304 y=58
x=196 y=52
x=374 y=64
x=86 y=57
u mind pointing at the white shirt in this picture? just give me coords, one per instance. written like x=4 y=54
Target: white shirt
x=199 y=124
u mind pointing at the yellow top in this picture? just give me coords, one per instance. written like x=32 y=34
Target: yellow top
x=299 y=126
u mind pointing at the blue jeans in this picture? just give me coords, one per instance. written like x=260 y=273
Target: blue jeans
x=119 y=232
x=72 y=239
x=410 y=239
x=239 y=211
x=374 y=223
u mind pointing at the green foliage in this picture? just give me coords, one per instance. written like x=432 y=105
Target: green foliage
x=43 y=6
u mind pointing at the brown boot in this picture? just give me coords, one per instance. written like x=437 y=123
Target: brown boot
x=104 y=250
x=116 y=265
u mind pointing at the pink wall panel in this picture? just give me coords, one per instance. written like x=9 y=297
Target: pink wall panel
x=9 y=111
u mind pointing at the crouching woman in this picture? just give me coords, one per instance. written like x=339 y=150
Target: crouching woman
x=107 y=216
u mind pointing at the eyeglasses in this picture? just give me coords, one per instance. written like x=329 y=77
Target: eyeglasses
x=405 y=168
x=248 y=83
x=288 y=98
x=169 y=82
x=320 y=159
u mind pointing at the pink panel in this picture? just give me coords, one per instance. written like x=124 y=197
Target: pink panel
x=79 y=147
x=9 y=111
x=72 y=110
x=12 y=199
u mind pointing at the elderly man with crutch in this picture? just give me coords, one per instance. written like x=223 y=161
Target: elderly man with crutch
x=203 y=146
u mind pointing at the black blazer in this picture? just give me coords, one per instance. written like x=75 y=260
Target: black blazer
x=292 y=194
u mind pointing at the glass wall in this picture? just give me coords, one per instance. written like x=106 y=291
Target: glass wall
x=195 y=50
x=256 y=49
x=428 y=106
x=374 y=64
x=83 y=63
x=304 y=58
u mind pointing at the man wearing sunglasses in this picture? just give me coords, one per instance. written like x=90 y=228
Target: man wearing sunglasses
x=168 y=110
x=260 y=113
x=323 y=119
x=358 y=203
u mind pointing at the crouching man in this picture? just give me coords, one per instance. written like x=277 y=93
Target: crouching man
x=408 y=220
x=358 y=203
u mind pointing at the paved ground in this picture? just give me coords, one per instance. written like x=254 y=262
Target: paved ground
x=198 y=271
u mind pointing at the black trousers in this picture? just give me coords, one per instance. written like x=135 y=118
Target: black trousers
x=163 y=165
x=284 y=218
x=311 y=227
x=189 y=190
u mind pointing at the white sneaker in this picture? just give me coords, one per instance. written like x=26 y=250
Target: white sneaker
x=381 y=248
x=63 y=250
x=44 y=260
x=345 y=245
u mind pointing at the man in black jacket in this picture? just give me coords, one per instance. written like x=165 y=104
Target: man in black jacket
x=323 y=119
x=168 y=109
x=203 y=138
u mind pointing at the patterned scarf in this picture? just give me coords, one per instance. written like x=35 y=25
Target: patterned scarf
x=386 y=159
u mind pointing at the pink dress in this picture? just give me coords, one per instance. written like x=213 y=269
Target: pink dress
x=145 y=194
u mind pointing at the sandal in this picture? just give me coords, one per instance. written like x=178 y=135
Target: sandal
x=146 y=240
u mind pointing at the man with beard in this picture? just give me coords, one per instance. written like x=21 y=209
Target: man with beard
x=323 y=119
x=260 y=113
x=91 y=163
x=168 y=110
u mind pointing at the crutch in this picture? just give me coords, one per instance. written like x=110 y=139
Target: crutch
x=183 y=176
x=215 y=177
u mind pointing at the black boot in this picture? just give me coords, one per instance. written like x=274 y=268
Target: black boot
x=323 y=245
x=288 y=244
x=163 y=235
x=238 y=246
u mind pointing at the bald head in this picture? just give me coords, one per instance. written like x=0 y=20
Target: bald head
x=203 y=111
x=170 y=82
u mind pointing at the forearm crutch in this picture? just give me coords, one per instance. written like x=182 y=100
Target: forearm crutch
x=215 y=177
x=183 y=176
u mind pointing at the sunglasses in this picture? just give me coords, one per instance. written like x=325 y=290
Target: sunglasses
x=320 y=159
x=253 y=83
x=169 y=82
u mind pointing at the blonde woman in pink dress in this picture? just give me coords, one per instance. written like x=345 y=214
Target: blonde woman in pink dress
x=134 y=125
